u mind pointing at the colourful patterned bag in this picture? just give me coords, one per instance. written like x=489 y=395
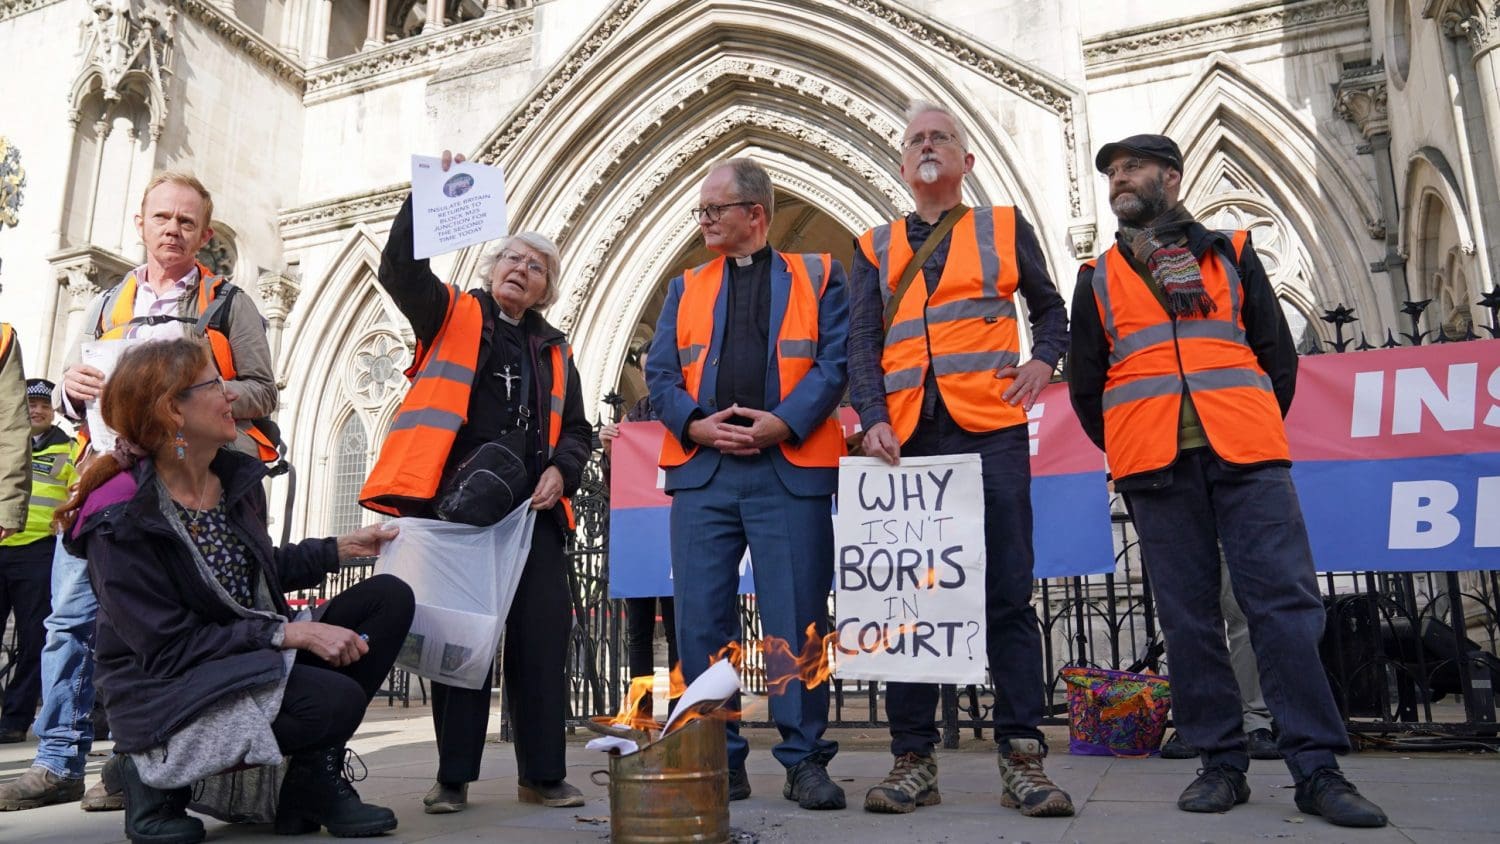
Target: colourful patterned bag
x=1116 y=713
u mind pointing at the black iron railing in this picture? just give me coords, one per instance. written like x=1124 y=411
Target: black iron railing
x=1407 y=653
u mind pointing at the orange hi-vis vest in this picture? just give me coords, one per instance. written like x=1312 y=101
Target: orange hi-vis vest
x=410 y=466
x=214 y=295
x=7 y=336
x=1153 y=358
x=965 y=330
x=795 y=349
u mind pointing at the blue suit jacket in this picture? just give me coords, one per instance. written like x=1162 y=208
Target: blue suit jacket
x=813 y=400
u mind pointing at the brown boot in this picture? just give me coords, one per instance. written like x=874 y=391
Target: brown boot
x=1027 y=787
x=108 y=794
x=38 y=787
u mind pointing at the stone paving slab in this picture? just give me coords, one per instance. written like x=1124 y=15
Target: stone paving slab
x=1448 y=798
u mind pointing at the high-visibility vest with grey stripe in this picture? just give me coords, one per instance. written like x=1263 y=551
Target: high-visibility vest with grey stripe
x=965 y=331
x=51 y=473
x=795 y=349
x=1154 y=358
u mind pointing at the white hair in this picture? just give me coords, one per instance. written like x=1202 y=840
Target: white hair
x=537 y=242
x=917 y=108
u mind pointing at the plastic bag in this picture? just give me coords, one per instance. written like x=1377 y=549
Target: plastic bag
x=1116 y=713
x=464 y=579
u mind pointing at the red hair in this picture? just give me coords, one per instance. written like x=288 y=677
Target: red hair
x=138 y=406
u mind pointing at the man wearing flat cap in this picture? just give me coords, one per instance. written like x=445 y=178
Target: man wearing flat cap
x=1181 y=368
x=26 y=560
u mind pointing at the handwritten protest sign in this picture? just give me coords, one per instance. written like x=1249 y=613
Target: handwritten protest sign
x=455 y=208
x=909 y=570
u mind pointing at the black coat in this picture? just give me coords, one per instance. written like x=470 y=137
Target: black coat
x=422 y=298
x=167 y=644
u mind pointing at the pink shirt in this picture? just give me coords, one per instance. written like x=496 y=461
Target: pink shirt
x=147 y=304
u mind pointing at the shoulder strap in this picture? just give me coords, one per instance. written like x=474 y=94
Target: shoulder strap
x=914 y=266
x=217 y=311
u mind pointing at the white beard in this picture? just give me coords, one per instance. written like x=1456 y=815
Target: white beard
x=928 y=171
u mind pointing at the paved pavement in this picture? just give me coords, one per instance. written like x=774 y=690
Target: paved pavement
x=1447 y=798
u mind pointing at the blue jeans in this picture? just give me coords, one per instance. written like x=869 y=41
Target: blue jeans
x=1013 y=639
x=64 y=726
x=791 y=547
x=1256 y=518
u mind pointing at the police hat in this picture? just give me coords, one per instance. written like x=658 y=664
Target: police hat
x=39 y=388
x=1159 y=147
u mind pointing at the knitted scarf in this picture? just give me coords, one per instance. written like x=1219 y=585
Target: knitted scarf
x=1162 y=247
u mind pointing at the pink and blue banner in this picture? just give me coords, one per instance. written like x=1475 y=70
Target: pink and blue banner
x=640 y=542
x=1397 y=457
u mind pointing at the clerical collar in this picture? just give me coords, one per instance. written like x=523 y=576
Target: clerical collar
x=761 y=254
x=508 y=318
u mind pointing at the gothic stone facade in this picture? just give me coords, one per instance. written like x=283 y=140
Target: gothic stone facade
x=1355 y=138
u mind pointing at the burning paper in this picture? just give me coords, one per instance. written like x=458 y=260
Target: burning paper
x=706 y=695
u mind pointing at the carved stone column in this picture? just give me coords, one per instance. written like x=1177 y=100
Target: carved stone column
x=1474 y=29
x=493 y=7
x=375 y=29
x=321 y=17
x=278 y=293
x=81 y=273
x=435 y=9
x=1361 y=100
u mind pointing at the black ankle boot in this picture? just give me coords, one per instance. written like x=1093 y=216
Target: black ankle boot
x=154 y=816
x=316 y=792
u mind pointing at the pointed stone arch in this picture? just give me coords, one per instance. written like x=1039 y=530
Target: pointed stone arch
x=1437 y=237
x=1230 y=126
x=345 y=318
x=821 y=103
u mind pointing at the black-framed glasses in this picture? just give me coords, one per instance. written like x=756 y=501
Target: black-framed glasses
x=517 y=259
x=937 y=138
x=217 y=379
x=712 y=213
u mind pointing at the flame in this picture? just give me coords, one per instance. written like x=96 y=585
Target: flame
x=630 y=714
x=675 y=684
x=811 y=666
x=723 y=713
x=931 y=578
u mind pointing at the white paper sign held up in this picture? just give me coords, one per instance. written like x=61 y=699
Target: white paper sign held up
x=909 y=570
x=455 y=208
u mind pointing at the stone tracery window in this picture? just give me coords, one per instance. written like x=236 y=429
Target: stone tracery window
x=377 y=375
x=351 y=456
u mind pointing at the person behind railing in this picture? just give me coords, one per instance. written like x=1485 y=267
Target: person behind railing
x=494 y=394
x=640 y=613
x=194 y=644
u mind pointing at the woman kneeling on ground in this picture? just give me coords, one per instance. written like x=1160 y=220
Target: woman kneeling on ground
x=199 y=668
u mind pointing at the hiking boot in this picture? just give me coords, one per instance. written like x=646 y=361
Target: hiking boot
x=1260 y=744
x=807 y=782
x=154 y=815
x=317 y=792
x=1327 y=793
x=1027 y=787
x=446 y=798
x=555 y=795
x=108 y=794
x=739 y=783
x=38 y=787
x=1176 y=748
x=912 y=782
x=1217 y=789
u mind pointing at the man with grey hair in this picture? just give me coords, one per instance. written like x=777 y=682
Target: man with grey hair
x=751 y=454
x=935 y=368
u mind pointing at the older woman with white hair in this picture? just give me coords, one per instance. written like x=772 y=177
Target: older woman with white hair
x=494 y=415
